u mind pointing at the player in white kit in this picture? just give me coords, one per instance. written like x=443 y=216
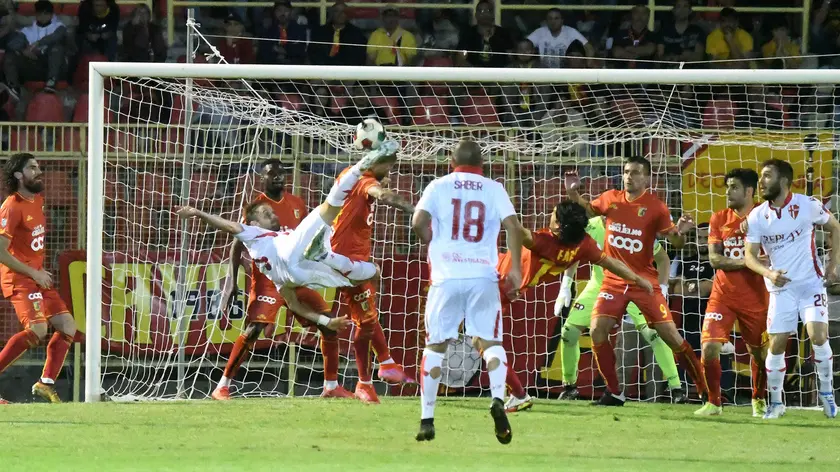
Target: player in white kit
x=301 y=257
x=459 y=216
x=784 y=227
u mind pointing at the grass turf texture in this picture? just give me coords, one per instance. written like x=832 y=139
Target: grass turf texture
x=345 y=435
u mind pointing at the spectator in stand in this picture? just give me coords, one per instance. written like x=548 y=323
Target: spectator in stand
x=391 y=45
x=339 y=42
x=554 y=38
x=442 y=37
x=825 y=34
x=634 y=43
x=680 y=40
x=142 y=38
x=284 y=40
x=99 y=21
x=730 y=41
x=485 y=44
x=524 y=104
x=37 y=52
x=8 y=22
x=234 y=48
x=782 y=51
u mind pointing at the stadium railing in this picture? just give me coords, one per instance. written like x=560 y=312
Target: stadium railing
x=656 y=6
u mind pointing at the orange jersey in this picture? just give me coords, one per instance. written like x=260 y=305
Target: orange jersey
x=23 y=223
x=737 y=288
x=631 y=230
x=353 y=227
x=548 y=259
x=290 y=210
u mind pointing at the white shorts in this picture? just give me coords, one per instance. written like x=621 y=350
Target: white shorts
x=807 y=302
x=305 y=272
x=475 y=301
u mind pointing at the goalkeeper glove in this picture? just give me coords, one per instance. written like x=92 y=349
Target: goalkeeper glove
x=564 y=298
x=664 y=289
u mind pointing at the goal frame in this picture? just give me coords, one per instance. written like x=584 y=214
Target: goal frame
x=100 y=71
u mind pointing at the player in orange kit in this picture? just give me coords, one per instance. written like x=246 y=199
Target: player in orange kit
x=738 y=294
x=23 y=278
x=352 y=232
x=546 y=254
x=634 y=219
x=263 y=299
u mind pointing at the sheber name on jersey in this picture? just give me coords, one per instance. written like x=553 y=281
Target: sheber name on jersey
x=457 y=257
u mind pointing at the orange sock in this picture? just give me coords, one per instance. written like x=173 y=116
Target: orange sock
x=17 y=345
x=605 y=359
x=759 y=380
x=690 y=363
x=712 y=373
x=378 y=342
x=56 y=352
x=329 y=349
x=241 y=349
x=512 y=381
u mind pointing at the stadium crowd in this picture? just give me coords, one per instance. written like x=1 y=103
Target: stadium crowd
x=46 y=48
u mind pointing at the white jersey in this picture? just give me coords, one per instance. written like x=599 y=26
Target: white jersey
x=553 y=48
x=264 y=247
x=467 y=210
x=787 y=236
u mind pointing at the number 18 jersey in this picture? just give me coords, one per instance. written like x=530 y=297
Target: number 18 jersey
x=466 y=209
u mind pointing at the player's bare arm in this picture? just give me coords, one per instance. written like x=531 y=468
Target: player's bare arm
x=292 y=302
x=721 y=262
x=514 y=230
x=233 y=273
x=676 y=235
x=41 y=277
x=753 y=263
x=390 y=198
x=421 y=224
x=214 y=221
x=572 y=183
x=620 y=269
x=832 y=227
x=527 y=238
x=564 y=297
x=663 y=266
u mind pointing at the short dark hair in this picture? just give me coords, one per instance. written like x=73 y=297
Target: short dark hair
x=468 y=153
x=552 y=10
x=251 y=210
x=483 y=2
x=16 y=163
x=44 y=6
x=273 y=161
x=576 y=47
x=639 y=160
x=728 y=12
x=747 y=177
x=784 y=169
x=573 y=220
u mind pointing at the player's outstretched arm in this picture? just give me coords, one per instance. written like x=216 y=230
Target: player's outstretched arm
x=514 y=232
x=41 y=277
x=229 y=289
x=421 y=224
x=214 y=221
x=390 y=198
x=676 y=235
x=832 y=226
x=564 y=298
x=719 y=261
x=303 y=310
x=572 y=183
x=620 y=269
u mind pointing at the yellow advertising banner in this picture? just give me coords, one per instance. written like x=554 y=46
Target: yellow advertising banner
x=704 y=167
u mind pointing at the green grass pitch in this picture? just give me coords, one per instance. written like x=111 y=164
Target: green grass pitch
x=344 y=435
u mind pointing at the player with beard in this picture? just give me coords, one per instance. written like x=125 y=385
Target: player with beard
x=23 y=277
x=784 y=227
x=738 y=294
x=352 y=233
x=635 y=217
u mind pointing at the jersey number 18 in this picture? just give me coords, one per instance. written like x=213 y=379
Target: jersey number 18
x=473 y=216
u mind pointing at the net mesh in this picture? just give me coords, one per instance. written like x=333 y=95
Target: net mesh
x=163 y=335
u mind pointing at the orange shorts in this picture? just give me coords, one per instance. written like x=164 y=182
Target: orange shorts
x=361 y=301
x=34 y=305
x=613 y=300
x=263 y=308
x=720 y=319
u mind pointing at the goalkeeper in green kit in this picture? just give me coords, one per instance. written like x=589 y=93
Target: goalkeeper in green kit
x=581 y=314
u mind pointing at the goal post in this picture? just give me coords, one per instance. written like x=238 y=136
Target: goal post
x=246 y=115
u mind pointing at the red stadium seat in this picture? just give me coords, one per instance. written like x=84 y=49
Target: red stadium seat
x=80 y=77
x=337 y=104
x=153 y=189
x=70 y=9
x=37 y=86
x=80 y=113
x=290 y=101
x=719 y=114
x=479 y=110
x=363 y=13
x=438 y=61
x=178 y=114
x=26 y=140
x=430 y=111
x=60 y=189
x=46 y=108
x=390 y=107
x=26 y=9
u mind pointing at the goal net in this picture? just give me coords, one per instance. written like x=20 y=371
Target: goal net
x=169 y=134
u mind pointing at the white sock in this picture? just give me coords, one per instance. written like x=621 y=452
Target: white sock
x=47 y=381
x=387 y=361
x=775 y=365
x=429 y=384
x=497 y=376
x=223 y=382
x=330 y=384
x=343 y=185
x=825 y=366
x=354 y=270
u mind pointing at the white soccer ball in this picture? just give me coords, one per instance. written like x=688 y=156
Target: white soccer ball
x=369 y=135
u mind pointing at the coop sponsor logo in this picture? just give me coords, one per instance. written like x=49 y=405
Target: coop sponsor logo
x=36 y=296
x=264 y=299
x=360 y=297
x=733 y=247
x=712 y=316
x=606 y=296
x=38 y=238
x=628 y=244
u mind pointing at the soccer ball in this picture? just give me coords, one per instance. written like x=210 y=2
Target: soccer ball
x=369 y=135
